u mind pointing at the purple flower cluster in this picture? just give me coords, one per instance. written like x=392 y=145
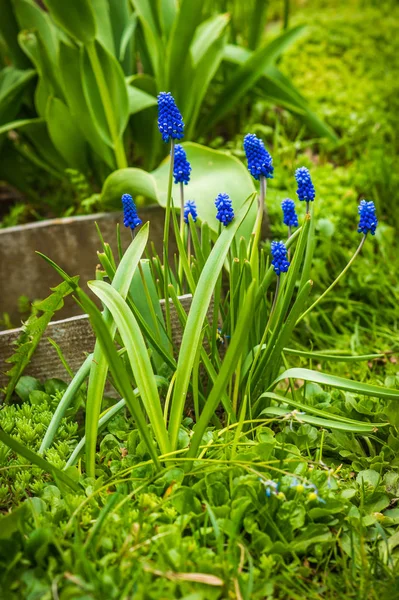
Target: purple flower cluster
x=368 y=220
x=305 y=189
x=130 y=216
x=190 y=208
x=181 y=167
x=279 y=254
x=289 y=213
x=170 y=121
x=225 y=212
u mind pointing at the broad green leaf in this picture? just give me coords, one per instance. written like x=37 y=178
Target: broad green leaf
x=332 y=357
x=70 y=71
x=248 y=74
x=102 y=15
x=199 y=307
x=341 y=383
x=38 y=136
x=139 y=100
x=139 y=359
x=280 y=90
x=32 y=18
x=213 y=172
x=185 y=24
x=167 y=14
x=9 y=29
x=13 y=84
x=206 y=54
x=126 y=45
x=66 y=135
x=105 y=92
x=37 y=460
x=152 y=37
x=76 y=17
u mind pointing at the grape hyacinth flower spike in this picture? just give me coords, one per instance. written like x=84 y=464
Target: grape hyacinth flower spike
x=280 y=261
x=225 y=212
x=190 y=208
x=170 y=121
x=368 y=220
x=181 y=173
x=305 y=191
x=130 y=216
x=260 y=165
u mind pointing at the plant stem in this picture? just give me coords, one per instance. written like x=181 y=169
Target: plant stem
x=254 y=259
x=182 y=209
x=334 y=283
x=166 y=238
x=117 y=140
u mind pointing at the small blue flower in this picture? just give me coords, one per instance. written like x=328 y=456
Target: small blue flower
x=225 y=212
x=280 y=261
x=170 y=121
x=305 y=189
x=259 y=160
x=130 y=216
x=181 y=167
x=368 y=219
x=271 y=487
x=290 y=216
x=190 y=209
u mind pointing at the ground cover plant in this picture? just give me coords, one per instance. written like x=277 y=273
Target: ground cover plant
x=228 y=467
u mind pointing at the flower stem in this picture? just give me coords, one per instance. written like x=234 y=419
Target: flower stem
x=258 y=226
x=334 y=283
x=166 y=238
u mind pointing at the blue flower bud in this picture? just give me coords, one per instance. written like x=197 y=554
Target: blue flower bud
x=305 y=189
x=181 y=167
x=259 y=160
x=289 y=214
x=170 y=121
x=225 y=212
x=190 y=209
x=368 y=219
x=130 y=216
x=279 y=254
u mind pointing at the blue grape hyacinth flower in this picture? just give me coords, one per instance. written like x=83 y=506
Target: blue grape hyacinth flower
x=305 y=189
x=368 y=220
x=130 y=216
x=181 y=167
x=225 y=212
x=170 y=121
x=259 y=160
x=289 y=214
x=279 y=254
x=190 y=208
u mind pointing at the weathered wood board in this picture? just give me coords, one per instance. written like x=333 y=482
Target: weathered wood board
x=75 y=338
x=70 y=242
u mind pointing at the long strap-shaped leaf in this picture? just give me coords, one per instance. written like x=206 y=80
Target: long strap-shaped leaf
x=361 y=425
x=99 y=367
x=199 y=307
x=235 y=350
x=338 y=382
x=137 y=351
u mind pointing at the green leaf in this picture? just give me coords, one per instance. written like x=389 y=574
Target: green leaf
x=236 y=348
x=139 y=359
x=104 y=33
x=199 y=307
x=323 y=414
x=213 y=172
x=9 y=32
x=185 y=24
x=105 y=92
x=76 y=17
x=70 y=72
x=99 y=368
x=249 y=73
x=32 y=18
x=13 y=84
x=139 y=100
x=341 y=383
x=317 y=421
x=152 y=37
x=66 y=135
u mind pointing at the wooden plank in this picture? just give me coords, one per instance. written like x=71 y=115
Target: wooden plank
x=75 y=338
x=72 y=243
